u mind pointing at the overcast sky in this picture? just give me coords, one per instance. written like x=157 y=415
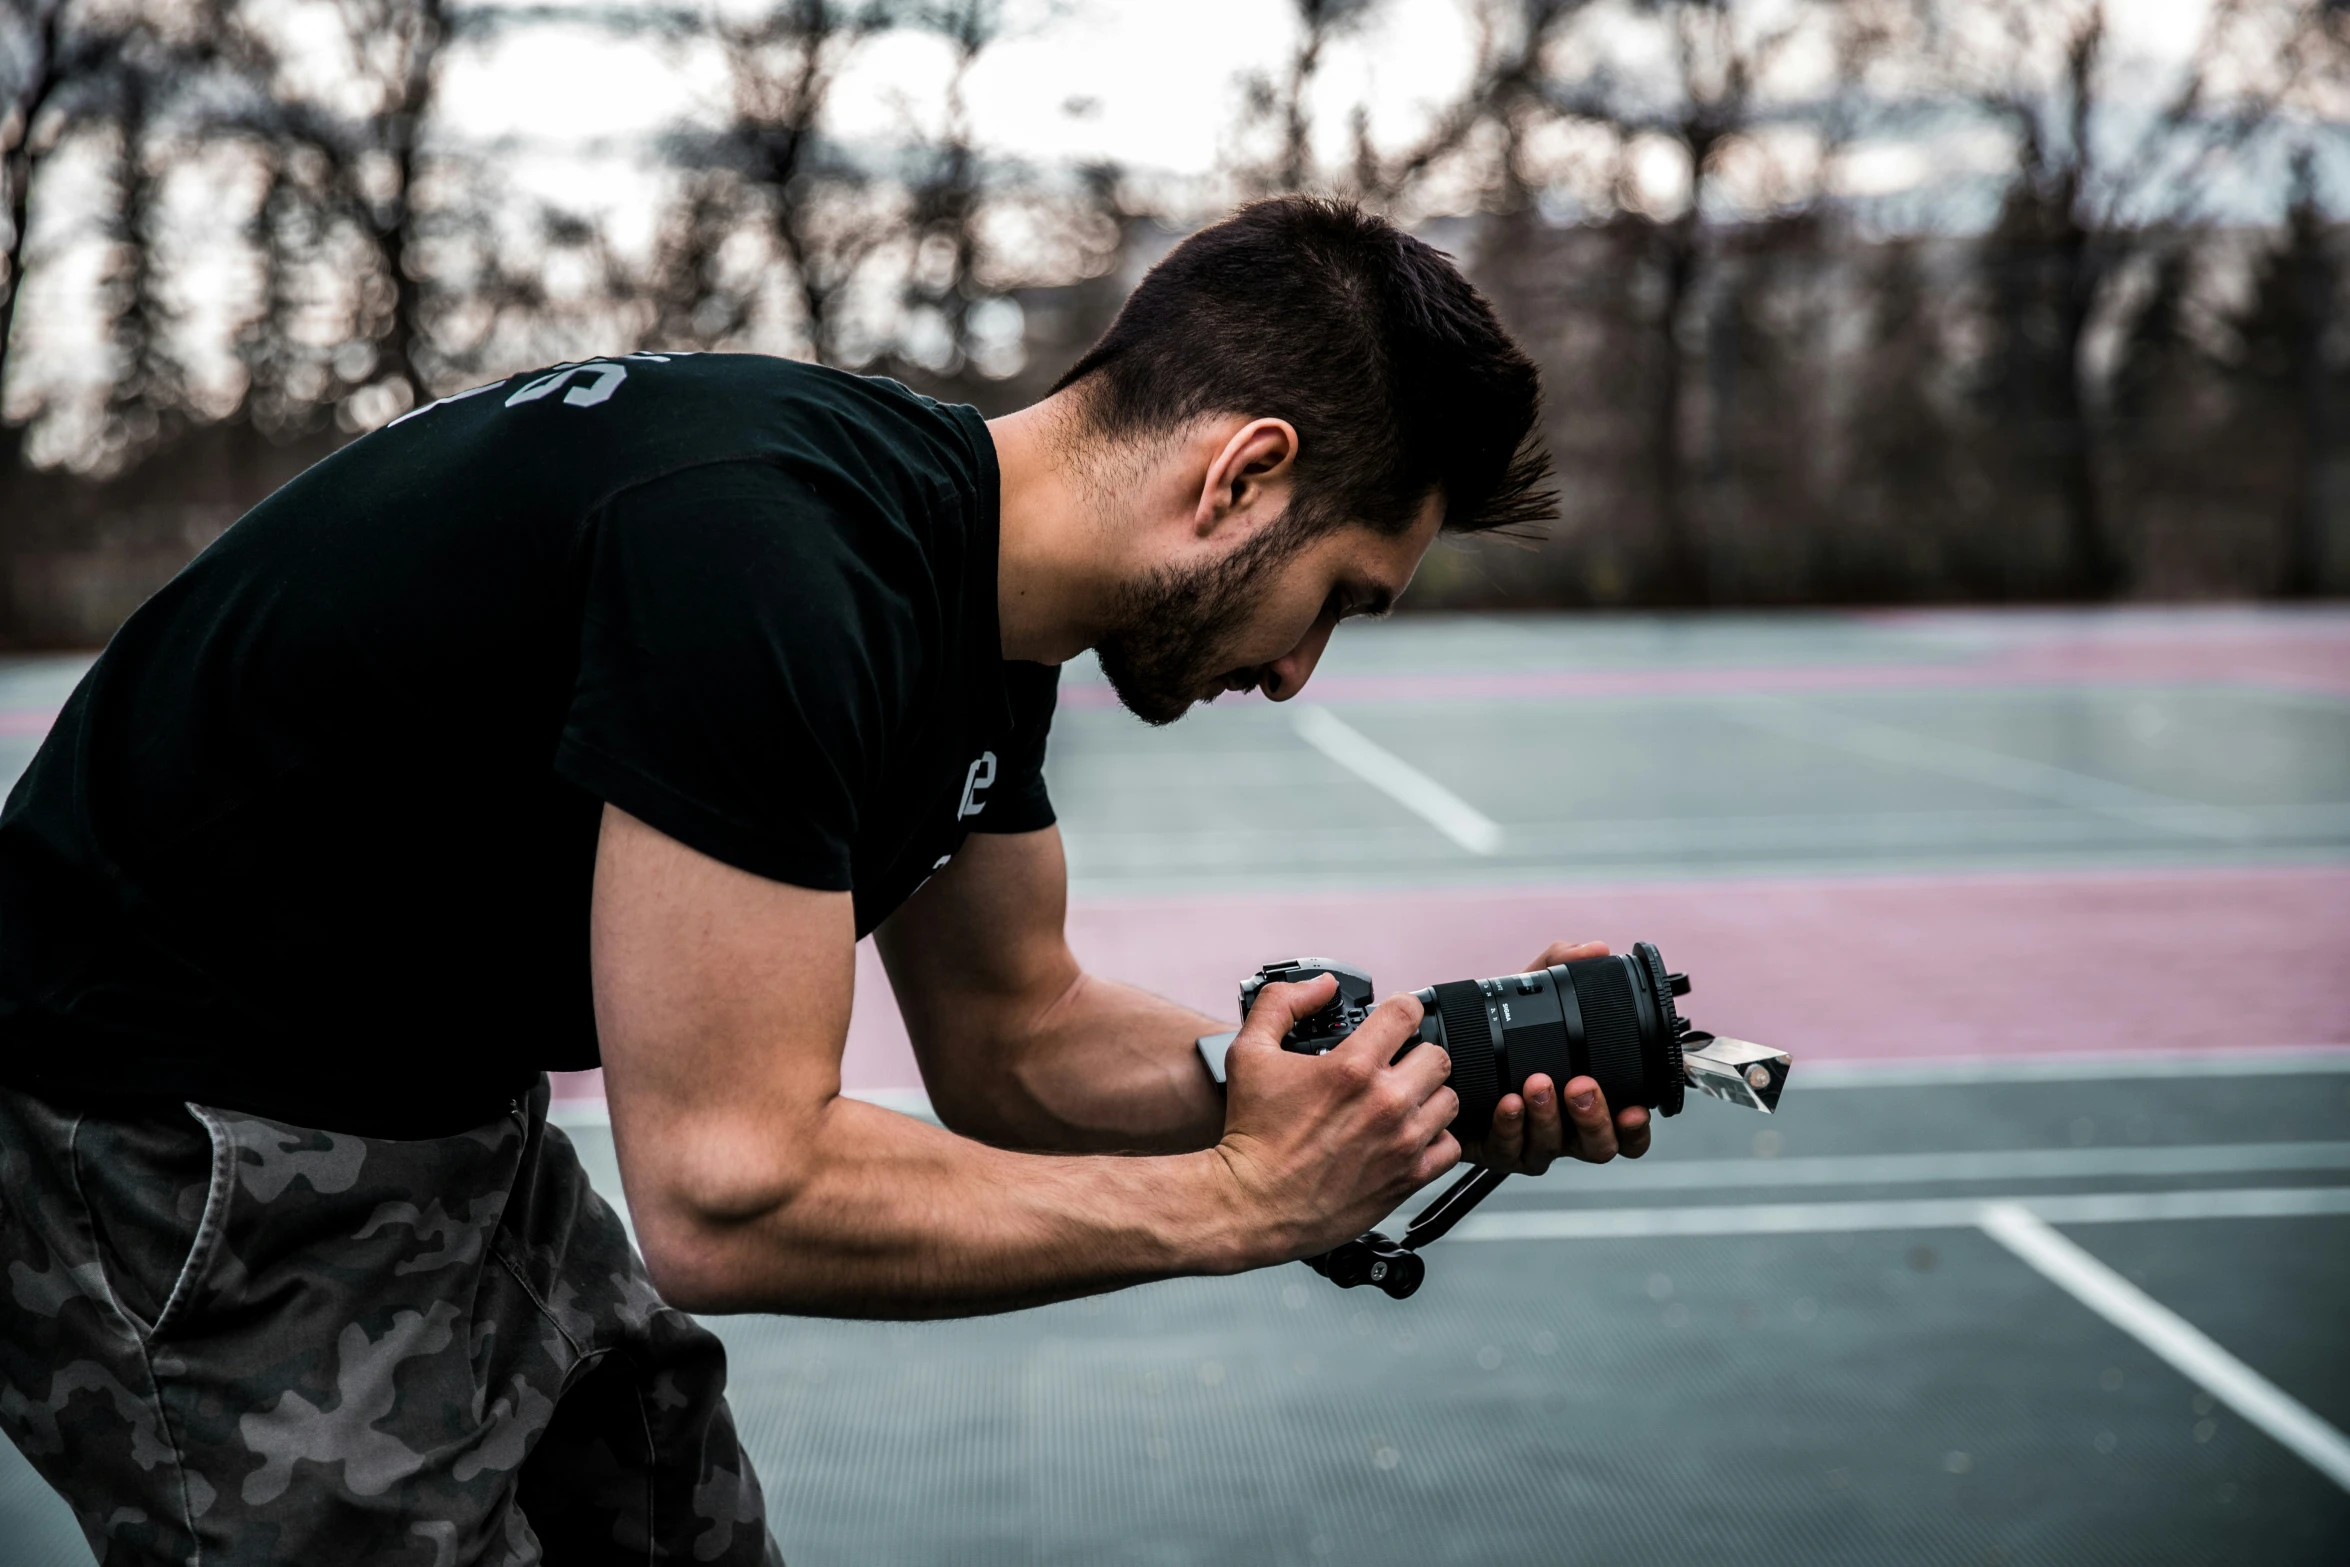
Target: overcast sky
x=1153 y=86
x=1149 y=84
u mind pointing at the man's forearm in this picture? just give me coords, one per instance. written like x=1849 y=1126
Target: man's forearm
x=1102 y=1068
x=1021 y=1047
x=888 y=1217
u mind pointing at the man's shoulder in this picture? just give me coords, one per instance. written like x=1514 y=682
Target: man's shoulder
x=589 y=428
x=870 y=430
x=764 y=405
x=883 y=460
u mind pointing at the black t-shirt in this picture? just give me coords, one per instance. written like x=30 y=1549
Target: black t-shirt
x=315 y=836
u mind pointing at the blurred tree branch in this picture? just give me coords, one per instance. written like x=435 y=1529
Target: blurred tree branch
x=1282 y=103
x=2071 y=324
x=41 y=68
x=2091 y=189
x=57 y=67
x=771 y=167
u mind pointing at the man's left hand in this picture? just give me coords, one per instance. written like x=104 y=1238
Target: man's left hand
x=1530 y=1131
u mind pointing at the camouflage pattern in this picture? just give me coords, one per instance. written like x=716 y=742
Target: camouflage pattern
x=229 y=1340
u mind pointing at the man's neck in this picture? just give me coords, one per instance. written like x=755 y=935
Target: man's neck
x=1052 y=583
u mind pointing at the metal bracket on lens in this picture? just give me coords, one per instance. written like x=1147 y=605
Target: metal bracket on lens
x=1735 y=1069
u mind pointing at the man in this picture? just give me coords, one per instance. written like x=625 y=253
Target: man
x=590 y=718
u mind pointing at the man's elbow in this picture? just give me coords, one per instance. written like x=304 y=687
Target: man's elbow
x=712 y=1245
x=695 y=1266
x=975 y=1115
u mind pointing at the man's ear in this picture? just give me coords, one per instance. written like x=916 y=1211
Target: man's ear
x=1248 y=479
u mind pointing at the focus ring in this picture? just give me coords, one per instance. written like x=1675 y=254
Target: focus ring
x=1660 y=988
x=1611 y=1026
x=1468 y=1039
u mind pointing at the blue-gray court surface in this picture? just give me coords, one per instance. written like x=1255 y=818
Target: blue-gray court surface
x=2019 y=1274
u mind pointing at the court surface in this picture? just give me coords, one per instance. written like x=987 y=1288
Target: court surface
x=2046 y=1258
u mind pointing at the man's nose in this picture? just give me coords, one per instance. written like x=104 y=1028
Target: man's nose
x=1287 y=675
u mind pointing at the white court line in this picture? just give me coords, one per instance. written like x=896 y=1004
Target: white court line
x=2013 y=1164
x=2245 y=1062
x=2171 y=1336
x=1839 y=1170
x=2084 y=1066
x=1996 y=769
x=1396 y=778
x=905 y=1101
x=1916 y=1213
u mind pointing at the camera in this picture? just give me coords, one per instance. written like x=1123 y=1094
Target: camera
x=1613 y=1019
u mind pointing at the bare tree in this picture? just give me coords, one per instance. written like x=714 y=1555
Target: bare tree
x=412 y=33
x=772 y=169
x=1278 y=110
x=2098 y=180
x=1713 y=98
x=2048 y=267
x=1278 y=106
x=348 y=170
x=127 y=89
x=2284 y=385
x=945 y=194
x=61 y=67
x=35 y=40
x=885 y=248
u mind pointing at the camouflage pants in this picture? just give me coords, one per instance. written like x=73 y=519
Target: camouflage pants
x=229 y=1340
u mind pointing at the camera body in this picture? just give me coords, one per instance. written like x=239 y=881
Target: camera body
x=1314 y=1035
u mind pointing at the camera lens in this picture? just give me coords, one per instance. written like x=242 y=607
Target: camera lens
x=1610 y=1018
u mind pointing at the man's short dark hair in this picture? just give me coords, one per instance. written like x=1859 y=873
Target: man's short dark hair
x=1395 y=372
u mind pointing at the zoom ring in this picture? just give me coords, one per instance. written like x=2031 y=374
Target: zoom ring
x=1468 y=1039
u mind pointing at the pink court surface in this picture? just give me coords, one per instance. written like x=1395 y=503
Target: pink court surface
x=2000 y=856
x=1838 y=969
x=1871 y=838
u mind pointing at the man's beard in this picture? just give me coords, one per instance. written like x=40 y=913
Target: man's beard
x=1173 y=626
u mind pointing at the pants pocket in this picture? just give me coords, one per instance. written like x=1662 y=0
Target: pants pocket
x=154 y=1188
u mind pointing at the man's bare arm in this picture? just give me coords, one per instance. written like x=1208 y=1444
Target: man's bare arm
x=722 y=1003
x=1018 y=1044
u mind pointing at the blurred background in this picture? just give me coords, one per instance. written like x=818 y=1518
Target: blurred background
x=1882 y=302
x=1948 y=396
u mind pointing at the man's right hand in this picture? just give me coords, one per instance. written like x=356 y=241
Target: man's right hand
x=1321 y=1147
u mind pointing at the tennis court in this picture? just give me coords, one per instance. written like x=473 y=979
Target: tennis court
x=2046 y=1258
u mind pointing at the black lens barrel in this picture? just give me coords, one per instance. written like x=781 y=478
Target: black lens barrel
x=1612 y=1018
